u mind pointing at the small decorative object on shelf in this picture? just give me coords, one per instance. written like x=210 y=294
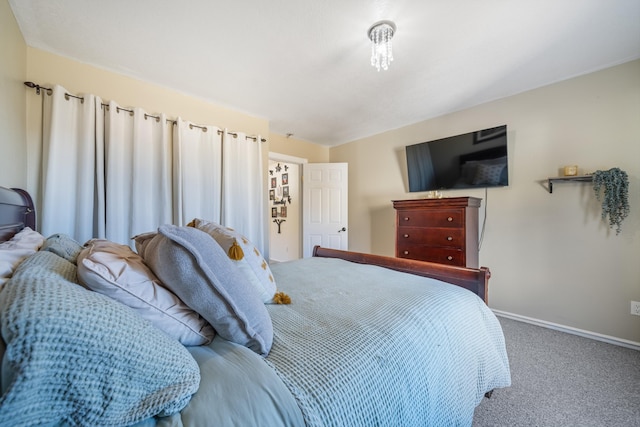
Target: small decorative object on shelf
x=434 y=195
x=615 y=203
x=570 y=170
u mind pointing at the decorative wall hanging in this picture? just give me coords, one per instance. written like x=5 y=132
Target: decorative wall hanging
x=279 y=193
x=279 y=223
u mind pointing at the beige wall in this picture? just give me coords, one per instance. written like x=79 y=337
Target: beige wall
x=550 y=255
x=12 y=101
x=314 y=153
x=47 y=69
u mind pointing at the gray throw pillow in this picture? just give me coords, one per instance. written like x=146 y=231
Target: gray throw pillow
x=193 y=266
x=62 y=245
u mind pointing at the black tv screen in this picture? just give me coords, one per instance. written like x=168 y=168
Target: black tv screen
x=472 y=160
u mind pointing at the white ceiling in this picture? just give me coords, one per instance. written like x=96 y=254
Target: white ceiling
x=304 y=65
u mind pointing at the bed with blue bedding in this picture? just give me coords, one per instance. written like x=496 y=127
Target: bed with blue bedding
x=397 y=343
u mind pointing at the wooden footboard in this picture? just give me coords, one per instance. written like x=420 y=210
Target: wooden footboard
x=475 y=280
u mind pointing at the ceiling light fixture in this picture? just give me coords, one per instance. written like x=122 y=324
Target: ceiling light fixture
x=381 y=34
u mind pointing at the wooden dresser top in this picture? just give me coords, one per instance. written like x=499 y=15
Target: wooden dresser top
x=445 y=202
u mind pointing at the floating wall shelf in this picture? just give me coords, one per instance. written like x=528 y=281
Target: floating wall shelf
x=583 y=178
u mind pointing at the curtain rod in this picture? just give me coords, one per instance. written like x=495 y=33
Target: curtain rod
x=49 y=91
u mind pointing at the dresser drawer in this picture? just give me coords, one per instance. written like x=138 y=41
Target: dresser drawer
x=441 y=255
x=451 y=237
x=431 y=218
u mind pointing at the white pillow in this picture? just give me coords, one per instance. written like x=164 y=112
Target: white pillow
x=12 y=252
x=244 y=255
x=117 y=272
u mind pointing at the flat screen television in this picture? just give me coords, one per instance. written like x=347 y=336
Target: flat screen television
x=472 y=160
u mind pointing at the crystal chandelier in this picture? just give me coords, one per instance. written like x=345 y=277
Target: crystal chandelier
x=381 y=34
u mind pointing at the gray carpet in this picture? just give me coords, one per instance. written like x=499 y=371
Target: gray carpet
x=558 y=379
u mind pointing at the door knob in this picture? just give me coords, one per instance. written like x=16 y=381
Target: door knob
x=342 y=229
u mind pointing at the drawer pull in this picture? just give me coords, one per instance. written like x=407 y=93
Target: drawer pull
x=449 y=219
x=406 y=218
x=449 y=257
x=406 y=252
x=449 y=238
x=406 y=235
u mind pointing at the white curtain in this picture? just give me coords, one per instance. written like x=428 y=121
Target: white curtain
x=197 y=172
x=137 y=173
x=243 y=197
x=117 y=173
x=72 y=137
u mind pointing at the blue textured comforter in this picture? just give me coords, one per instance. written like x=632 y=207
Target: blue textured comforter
x=77 y=358
x=358 y=346
x=365 y=346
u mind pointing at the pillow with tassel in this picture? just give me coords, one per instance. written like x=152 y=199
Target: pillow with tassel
x=248 y=259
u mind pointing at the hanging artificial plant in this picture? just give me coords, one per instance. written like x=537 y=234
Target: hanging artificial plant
x=615 y=203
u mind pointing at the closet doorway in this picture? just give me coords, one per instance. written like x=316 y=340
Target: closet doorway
x=285 y=207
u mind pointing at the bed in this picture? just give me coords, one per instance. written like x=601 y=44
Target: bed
x=365 y=340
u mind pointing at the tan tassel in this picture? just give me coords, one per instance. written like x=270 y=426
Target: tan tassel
x=235 y=251
x=281 y=298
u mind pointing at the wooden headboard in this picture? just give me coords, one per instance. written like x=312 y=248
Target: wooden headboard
x=16 y=212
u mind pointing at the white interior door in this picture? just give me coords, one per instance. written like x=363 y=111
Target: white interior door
x=325 y=206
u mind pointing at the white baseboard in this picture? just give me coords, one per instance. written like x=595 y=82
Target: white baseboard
x=570 y=330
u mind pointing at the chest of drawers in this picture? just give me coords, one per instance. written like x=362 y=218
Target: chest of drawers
x=438 y=230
